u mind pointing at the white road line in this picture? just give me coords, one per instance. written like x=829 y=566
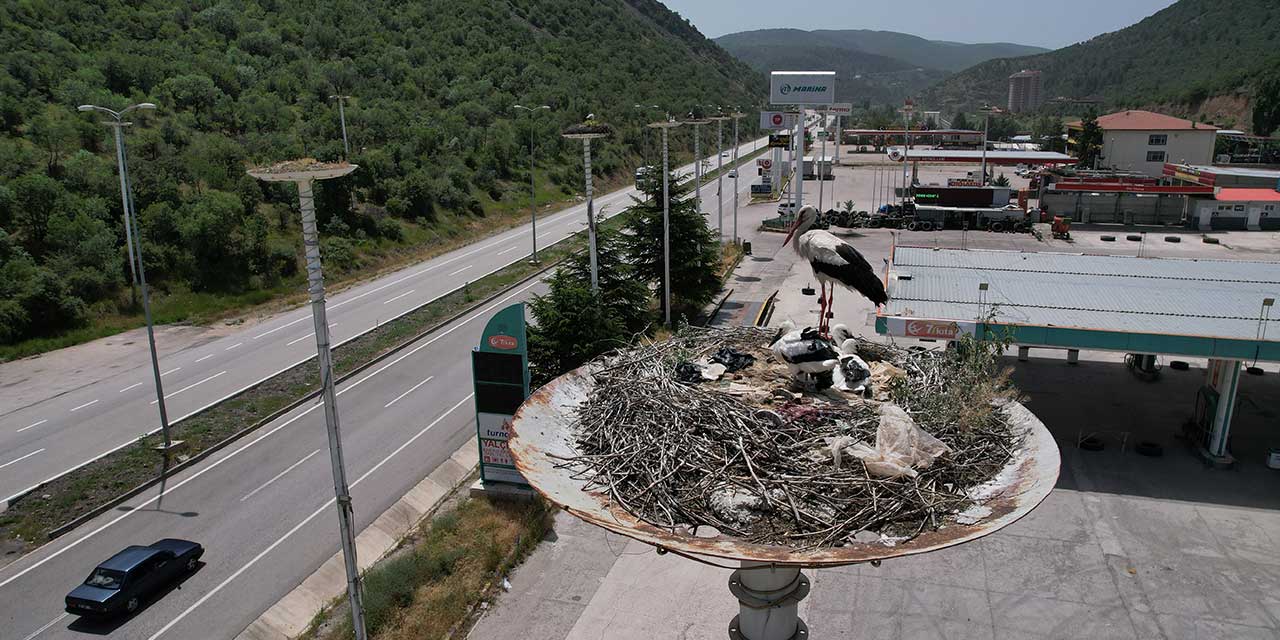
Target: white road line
x=461 y=270
x=46 y=627
x=84 y=405
x=32 y=426
x=15 y=461
x=233 y=346
x=190 y=386
x=297 y=340
x=411 y=390
x=279 y=475
x=509 y=250
x=170 y=371
x=399 y=296
x=283 y=326
x=132 y=386
x=300 y=525
x=204 y=358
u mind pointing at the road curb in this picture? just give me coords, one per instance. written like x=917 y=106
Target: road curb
x=292 y=615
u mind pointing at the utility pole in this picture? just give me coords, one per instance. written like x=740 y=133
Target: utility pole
x=587 y=132
x=817 y=166
x=533 y=189
x=907 y=109
x=342 y=115
x=736 y=115
x=986 y=110
x=666 y=126
x=697 y=123
x=134 y=242
x=303 y=173
x=719 y=119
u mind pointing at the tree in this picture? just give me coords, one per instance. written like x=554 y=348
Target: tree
x=1047 y=132
x=1001 y=181
x=961 y=121
x=1266 y=102
x=1089 y=140
x=695 y=254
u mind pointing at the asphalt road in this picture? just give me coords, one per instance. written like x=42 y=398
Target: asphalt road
x=44 y=439
x=263 y=507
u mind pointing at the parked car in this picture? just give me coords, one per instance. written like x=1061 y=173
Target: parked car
x=124 y=581
x=733 y=173
x=787 y=209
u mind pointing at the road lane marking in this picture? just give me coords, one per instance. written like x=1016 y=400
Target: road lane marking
x=204 y=358
x=84 y=405
x=190 y=386
x=283 y=326
x=233 y=346
x=132 y=386
x=297 y=340
x=461 y=270
x=279 y=475
x=46 y=627
x=17 y=460
x=399 y=296
x=32 y=425
x=411 y=390
x=279 y=541
x=170 y=371
x=509 y=250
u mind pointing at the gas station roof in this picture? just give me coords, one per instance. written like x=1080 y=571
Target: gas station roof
x=974 y=157
x=1208 y=308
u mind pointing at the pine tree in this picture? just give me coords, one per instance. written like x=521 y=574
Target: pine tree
x=695 y=255
x=1089 y=142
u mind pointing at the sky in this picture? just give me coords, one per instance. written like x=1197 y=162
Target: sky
x=1049 y=24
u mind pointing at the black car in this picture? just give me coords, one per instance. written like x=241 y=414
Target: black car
x=125 y=580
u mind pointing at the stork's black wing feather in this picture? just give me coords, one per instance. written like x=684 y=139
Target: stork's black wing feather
x=856 y=273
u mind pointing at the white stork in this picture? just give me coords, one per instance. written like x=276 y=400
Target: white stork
x=834 y=262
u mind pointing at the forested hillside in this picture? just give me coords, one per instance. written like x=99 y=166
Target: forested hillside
x=243 y=82
x=1183 y=54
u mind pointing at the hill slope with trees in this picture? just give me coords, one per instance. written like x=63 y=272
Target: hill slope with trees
x=1190 y=51
x=246 y=82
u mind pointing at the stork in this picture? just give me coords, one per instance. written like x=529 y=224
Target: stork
x=833 y=262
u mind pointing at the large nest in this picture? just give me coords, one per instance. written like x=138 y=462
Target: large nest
x=752 y=457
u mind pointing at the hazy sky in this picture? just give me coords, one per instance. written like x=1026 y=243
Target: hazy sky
x=1035 y=22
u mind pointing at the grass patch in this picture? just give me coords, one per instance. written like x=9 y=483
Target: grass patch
x=430 y=587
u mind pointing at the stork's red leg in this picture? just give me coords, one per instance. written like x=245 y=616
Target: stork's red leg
x=822 y=307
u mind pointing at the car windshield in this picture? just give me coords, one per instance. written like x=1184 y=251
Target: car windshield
x=105 y=578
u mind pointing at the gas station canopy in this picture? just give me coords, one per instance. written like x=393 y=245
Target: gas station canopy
x=974 y=157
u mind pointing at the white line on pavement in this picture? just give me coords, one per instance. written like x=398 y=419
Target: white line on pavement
x=297 y=340
x=411 y=390
x=32 y=426
x=267 y=333
x=132 y=386
x=279 y=475
x=17 y=460
x=84 y=405
x=399 y=296
x=170 y=371
x=509 y=250
x=233 y=346
x=190 y=386
x=204 y=358
x=46 y=627
x=461 y=270
x=300 y=525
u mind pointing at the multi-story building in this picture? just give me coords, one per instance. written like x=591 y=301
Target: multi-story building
x=1024 y=91
x=1143 y=141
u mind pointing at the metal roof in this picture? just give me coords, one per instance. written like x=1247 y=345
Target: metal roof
x=993 y=157
x=1179 y=303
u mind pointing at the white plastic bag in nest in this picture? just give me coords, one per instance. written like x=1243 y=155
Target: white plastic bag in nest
x=901 y=446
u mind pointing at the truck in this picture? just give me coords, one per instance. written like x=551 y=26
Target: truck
x=930 y=218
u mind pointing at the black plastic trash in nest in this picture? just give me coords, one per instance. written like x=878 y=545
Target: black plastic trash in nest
x=732 y=359
x=688 y=373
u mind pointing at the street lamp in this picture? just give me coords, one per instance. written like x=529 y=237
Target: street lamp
x=644 y=108
x=586 y=132
x=719 y=120
x=986 y=111
x=666 y=126
x=134 y=242
x=303 y=173
x=697 y=122
x=736 y=115
x=342 y=115
x=533 y=190
x=907 y=109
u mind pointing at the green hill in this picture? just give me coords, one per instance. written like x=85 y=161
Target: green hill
x=1183 y=54
x=860 y=77
x=243 y=82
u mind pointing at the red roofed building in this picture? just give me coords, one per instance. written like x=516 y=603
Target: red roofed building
x=1144 y=141
x=1252 y=209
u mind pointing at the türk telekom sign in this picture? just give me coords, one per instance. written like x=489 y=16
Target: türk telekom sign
x=802 y=87
x=930 y=329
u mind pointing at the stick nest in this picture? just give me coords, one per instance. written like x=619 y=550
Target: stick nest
x=685 y=457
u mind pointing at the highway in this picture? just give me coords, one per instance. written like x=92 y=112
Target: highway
x=263 y=507
x=44 y=439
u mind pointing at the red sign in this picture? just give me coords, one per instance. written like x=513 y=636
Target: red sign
x=504 y=342
x=932 y=329
x=777 y=119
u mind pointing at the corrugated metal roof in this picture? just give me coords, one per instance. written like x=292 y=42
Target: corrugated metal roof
x=1197 y=298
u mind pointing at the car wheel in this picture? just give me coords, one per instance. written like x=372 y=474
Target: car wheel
x=131 y=605
x=192 y=563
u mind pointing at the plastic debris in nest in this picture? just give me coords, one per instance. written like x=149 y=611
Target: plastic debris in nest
x=901 y=446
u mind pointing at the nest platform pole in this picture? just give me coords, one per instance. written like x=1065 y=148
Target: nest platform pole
x=768 y=602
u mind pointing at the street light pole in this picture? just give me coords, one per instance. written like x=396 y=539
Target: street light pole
x=986 y=110
x=587 y=132
x=907 y=109
x=736 y=115
x=665 y=126
x=533 y=189
x=817 y=166
x=303 y=173
x=719 y=119
x=134 y=242
x=697 y=123
x=342 y=115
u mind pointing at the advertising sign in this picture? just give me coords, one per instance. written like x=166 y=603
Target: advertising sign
x=500 y=371
x=781 y=141
x=840 y=109
x=777 y=120
x=930 y=329
x=802 y=87
x=765 y=163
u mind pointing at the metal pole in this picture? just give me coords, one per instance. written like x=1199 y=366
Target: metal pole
x=736 y=170
x=839 y=134
x=986 y=131
x=697 y=167
x=533 y=197
x=797 y=176
x=591 y=215
x=342 y=115
x=817 y=166
x=720 y=178
x=906 y=153
x=315 y=286
x=666 y=234
x=769 y=602
x=124 y=204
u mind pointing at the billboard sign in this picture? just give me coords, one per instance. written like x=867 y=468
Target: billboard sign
x=780 y=141
x=500 y=372
x=777 y=120
x=802 y=87
x=840 y=109
x=930 y=329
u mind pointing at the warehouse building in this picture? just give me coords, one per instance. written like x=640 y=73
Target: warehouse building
x=1232 y=208
x=1145 y=142
x=1227 y=177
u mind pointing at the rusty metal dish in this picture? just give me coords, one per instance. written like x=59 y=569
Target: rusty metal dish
x=541 y=440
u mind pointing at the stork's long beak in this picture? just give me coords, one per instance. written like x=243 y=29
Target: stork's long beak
x=791 y=232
